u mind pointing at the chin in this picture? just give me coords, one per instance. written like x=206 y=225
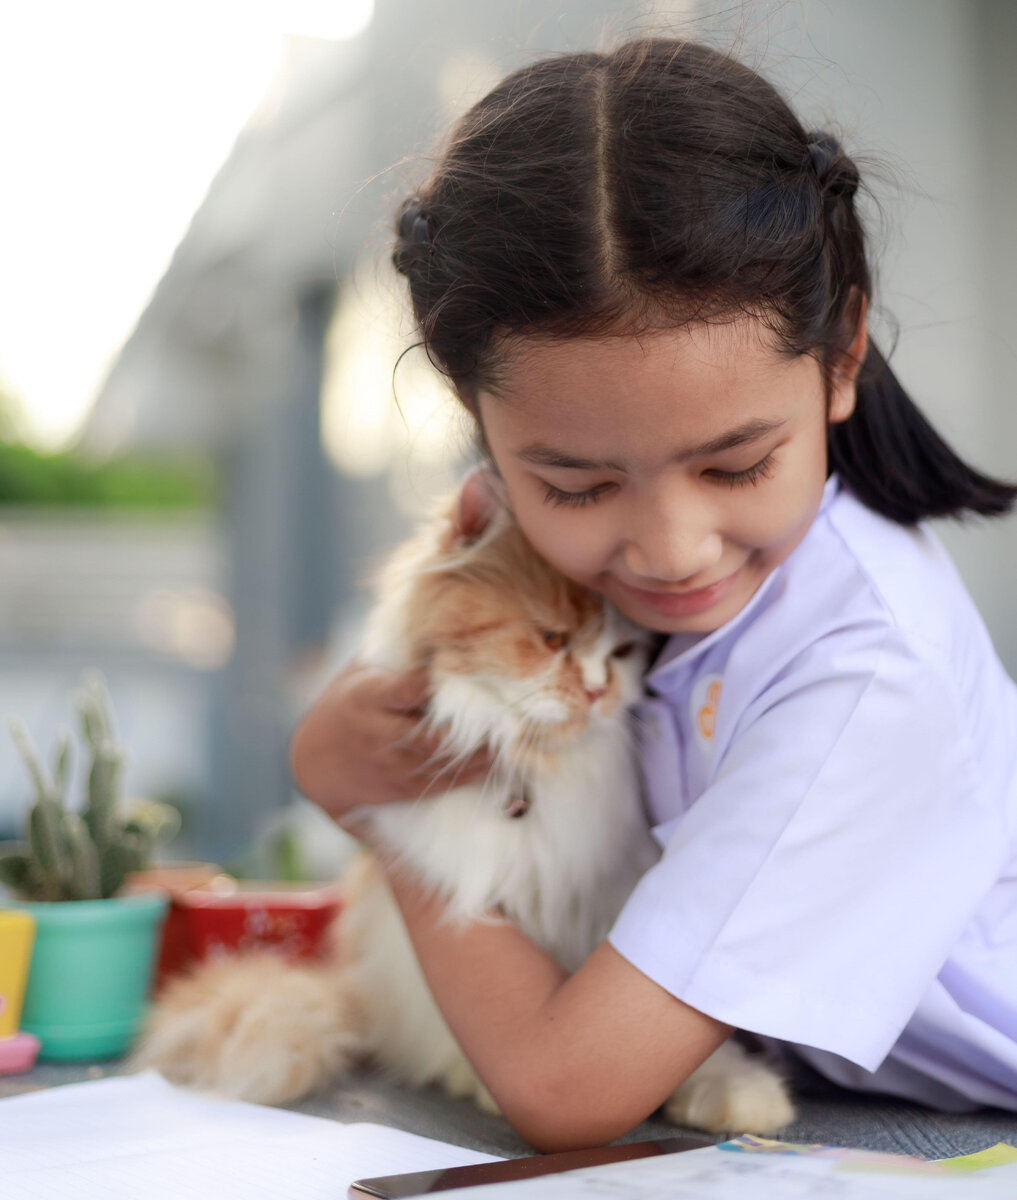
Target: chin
x=671 y=625
x=703 y=622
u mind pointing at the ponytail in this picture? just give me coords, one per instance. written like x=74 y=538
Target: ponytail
x=897 y=464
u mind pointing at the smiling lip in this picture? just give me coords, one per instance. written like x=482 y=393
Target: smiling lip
x=677 y=604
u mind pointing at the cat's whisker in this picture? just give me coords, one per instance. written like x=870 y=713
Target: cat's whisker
x=425 y=793
x=531 y=739
x=636 y=722
x=637 y=717
x=446 y=753
x=462 y=767
x=431 y=785
x=540 y=689
x=635 y=726
x=482 y=794
x=448 y=785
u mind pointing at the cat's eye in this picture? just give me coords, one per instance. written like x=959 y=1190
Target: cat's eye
x=554 y=640
x=624 y=650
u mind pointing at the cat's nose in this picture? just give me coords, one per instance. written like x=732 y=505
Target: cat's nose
x=594 y=694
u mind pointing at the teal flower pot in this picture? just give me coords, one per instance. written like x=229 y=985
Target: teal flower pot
x=90 y=973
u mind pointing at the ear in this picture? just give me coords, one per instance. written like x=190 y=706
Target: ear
x=842 y=386
x=479 y=502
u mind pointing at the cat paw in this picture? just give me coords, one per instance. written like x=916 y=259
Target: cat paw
x=485 y=1101
x=460 y=1079
x=756 y=1103
x=250 y=1028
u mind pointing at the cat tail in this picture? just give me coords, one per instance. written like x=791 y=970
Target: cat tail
x=253 y=1027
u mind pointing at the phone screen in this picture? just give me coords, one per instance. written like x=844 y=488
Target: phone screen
x=419 y=1183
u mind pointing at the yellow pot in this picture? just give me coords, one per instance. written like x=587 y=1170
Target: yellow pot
x=17 y=932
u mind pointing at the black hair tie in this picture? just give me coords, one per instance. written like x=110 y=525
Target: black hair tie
x=420 y=231
x=413 y=245
x=836 y=173
x=824 y=150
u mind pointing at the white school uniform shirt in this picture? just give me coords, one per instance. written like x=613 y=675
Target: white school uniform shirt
x=832 y=776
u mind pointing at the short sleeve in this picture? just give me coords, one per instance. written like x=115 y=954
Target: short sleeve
x=813 y=891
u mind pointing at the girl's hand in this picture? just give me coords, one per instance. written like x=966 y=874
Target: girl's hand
x=360 y=743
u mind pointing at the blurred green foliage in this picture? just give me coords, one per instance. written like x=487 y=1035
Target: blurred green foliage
x=277 y=856
x=32 y=477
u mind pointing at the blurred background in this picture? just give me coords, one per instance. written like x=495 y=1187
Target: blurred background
x=204 y=446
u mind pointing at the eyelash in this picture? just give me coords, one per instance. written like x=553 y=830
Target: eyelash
x=731 y=479
x=560 y=499
x=760 y=470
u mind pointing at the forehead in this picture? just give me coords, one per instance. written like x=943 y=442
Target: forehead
x=690 y=383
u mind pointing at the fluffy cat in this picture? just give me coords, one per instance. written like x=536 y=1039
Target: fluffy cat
x=542 y=672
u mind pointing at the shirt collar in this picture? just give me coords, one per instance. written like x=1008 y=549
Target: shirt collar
x=681 y=647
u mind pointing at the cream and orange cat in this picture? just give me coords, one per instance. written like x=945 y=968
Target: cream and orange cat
x=524 y=661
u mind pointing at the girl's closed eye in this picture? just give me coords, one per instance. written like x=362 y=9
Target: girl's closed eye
x=558 y=498
x=760 y=470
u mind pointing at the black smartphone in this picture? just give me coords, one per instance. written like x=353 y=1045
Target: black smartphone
x=419 y=1183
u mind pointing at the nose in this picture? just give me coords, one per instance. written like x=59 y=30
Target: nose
x=670 y=545
x=594 y=694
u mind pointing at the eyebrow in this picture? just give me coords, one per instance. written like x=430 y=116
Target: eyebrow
x=750 y=431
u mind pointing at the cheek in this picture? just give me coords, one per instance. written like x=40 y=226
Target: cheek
x=785 y=508
x=571 y=540
x=768 y=526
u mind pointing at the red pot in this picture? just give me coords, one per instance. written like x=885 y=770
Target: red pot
x=287 y=919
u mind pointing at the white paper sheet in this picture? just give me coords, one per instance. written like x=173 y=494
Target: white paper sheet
x=139 y=1138
x=715 y=1174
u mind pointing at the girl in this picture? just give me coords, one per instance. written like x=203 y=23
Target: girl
x=647 y=283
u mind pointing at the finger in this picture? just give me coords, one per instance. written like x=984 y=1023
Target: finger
x=481 y=762
x=405 y=692
x=405 y=765
x=480 y=766
x=451 y=771
x=405 y=738
x=477 y=767
x=357 y=823
x=426 y=758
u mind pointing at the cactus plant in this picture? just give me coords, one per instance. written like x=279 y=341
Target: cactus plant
x=81 y=856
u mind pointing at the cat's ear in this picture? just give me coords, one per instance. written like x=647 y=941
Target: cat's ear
x=479 y=505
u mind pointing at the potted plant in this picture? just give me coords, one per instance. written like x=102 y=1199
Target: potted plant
x=94 y=947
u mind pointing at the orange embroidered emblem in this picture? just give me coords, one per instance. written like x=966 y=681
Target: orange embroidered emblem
x=703 y=704
x=707 y=715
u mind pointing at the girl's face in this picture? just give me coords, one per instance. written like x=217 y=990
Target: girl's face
x=670 y=473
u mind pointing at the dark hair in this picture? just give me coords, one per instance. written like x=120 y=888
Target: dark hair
x=649 y=187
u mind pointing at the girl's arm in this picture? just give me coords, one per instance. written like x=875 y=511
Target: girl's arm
x=572 y=1060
